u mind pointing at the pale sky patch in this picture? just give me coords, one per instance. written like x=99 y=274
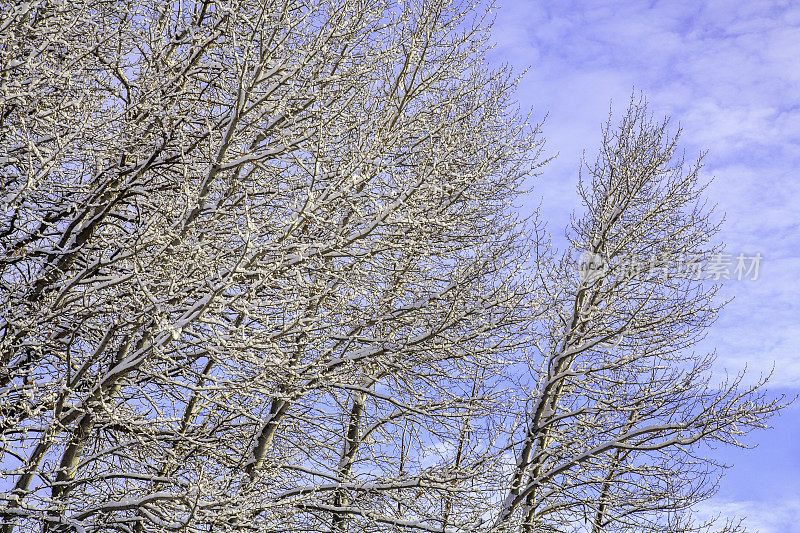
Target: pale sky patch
x=727 y=73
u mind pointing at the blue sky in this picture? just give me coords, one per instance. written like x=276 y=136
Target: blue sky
x=727 y=72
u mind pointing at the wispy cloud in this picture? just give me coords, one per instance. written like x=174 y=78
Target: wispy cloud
x=759 y=517
x=727 y=73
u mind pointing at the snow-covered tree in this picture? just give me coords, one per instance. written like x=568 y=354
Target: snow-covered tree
x=619 y=424
x=258 y=263
x=261 y=270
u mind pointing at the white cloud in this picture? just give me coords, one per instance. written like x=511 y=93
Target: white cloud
x=727 y=72
x=778 y=517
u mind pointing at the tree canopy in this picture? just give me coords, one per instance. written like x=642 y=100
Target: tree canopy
x=261 y=270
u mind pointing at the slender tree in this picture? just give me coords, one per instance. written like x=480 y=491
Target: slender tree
x=623 y=406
